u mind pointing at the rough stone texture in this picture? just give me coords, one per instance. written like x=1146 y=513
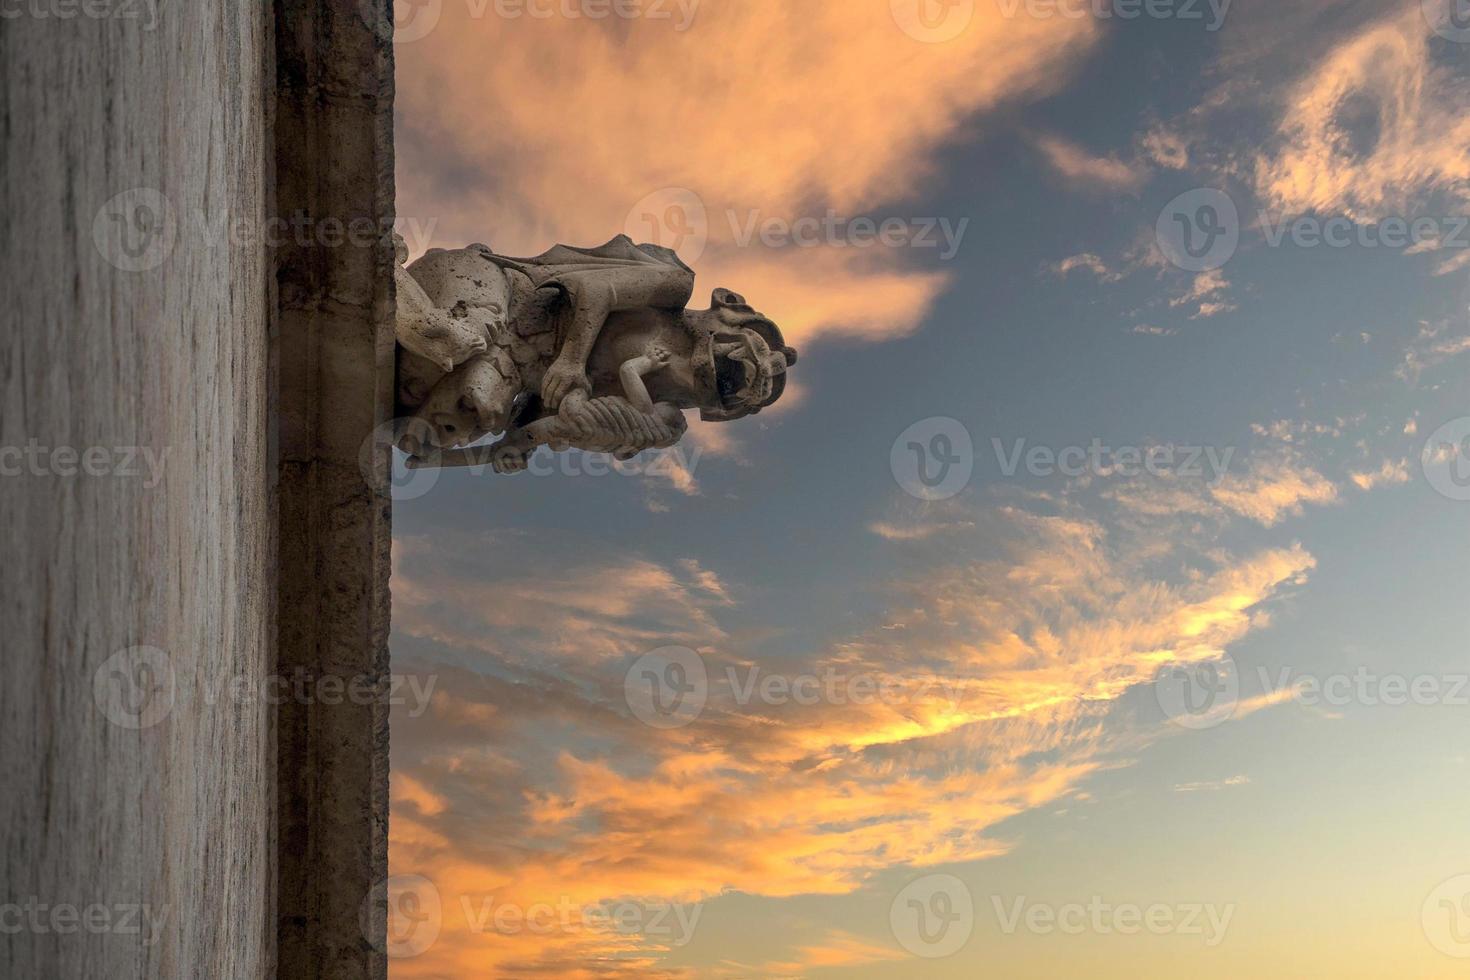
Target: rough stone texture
x=334 y=163
x=177 y=815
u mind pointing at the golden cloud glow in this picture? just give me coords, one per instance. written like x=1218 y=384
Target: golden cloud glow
x=992 y=696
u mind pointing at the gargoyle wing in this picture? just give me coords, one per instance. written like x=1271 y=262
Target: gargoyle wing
x=639 y=275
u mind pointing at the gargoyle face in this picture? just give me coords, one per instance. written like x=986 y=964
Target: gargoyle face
x=749 y=358
x=746 y=370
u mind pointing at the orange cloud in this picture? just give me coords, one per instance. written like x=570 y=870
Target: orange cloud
x=522 y=132
x=1275 y=489
x=993 y=697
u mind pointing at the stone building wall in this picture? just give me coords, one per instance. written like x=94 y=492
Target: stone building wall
x=137 y=512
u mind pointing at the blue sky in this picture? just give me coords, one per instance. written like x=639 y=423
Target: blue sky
x=1027 y=755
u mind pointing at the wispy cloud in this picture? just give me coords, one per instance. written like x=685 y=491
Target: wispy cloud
x=918 y=531
x=1372 y=128
x=1435 y=344
x=1086 y=261
x=527 y=780
x=1391 y=471
x=1206 y=294
x=1275 y=488
x=1088 y=171
x=1211 y=785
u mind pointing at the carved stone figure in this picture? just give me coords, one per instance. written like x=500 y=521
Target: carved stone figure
x=586 y=348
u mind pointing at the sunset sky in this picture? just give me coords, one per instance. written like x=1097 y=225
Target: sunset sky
x=1034 y=165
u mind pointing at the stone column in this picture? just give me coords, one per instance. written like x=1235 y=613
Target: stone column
x=334 y=371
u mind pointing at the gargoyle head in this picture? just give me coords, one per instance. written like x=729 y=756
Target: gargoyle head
x=741 y=358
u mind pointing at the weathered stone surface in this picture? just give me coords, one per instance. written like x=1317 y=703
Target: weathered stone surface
x=176 y=814
x=334 y=166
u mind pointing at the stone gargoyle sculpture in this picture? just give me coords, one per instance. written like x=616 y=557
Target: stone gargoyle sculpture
x=587 y=348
